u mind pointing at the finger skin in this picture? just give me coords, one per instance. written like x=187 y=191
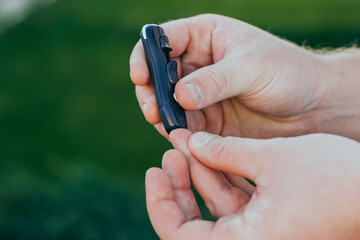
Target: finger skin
x=219 y=195
x=170 y=222
x=175 y=165
x=210 y=84
x=241 y=183
x=207 y=52
x=139 y=72
x=161 y=129
x=248 y=158
x=196 y=120
x=214 y=118
x=192 y=50
x=165 y=214
x=146 y=98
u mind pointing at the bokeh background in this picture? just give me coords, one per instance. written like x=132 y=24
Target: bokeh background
x=74 y=146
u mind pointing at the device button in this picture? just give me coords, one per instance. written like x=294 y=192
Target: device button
x=164 y=41
x=171 y=68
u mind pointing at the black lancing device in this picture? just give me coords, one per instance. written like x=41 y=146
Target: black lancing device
x=163 y=72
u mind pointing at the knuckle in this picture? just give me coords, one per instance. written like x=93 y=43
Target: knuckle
x=217 y=79
x=223 y=150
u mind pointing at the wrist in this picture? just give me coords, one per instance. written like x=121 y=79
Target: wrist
x=339 y=106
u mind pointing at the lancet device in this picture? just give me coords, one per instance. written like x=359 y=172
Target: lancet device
x=163 y=72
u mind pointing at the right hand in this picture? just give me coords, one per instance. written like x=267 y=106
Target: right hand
x=307 y=188
x=238 y=80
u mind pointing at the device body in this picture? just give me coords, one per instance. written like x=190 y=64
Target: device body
x=163 y=72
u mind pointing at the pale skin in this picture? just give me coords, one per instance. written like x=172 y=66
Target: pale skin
x=306 y=188
x=237 y=80
x=253 y=84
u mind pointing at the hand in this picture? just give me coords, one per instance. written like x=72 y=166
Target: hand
x=241 y=81
x=307 y=188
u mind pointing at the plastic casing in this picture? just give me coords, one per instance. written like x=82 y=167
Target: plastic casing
x=163 y=72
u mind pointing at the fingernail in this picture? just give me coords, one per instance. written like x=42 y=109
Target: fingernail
x=200 y=139
x=195 y=92
x=143 y=107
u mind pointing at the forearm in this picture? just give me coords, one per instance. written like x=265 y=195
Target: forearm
x=340 y=104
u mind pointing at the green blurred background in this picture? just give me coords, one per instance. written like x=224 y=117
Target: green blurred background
x=74 y=146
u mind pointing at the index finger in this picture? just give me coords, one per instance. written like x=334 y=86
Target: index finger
x=178 y=32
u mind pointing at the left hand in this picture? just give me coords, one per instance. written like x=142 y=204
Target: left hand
x=307 y=188
x=237 y=80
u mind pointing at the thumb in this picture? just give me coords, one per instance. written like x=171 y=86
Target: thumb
x=209 y=85
x=248 y=158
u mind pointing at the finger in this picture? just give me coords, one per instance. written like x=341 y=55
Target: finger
x=195 y=120
x=241 y=183
x=240 y=156
x=209 y=85
x=147 y=101
x=175 y=165
x=139 y=72
x=146 y=98
x=170 y=222
x=208 y=119
x=219 y=195
x=194 y=42
x=245 y=225
x=214 y=118
x=165 y=214
x=161 y=129
x=174 y=29
x=179 y=66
